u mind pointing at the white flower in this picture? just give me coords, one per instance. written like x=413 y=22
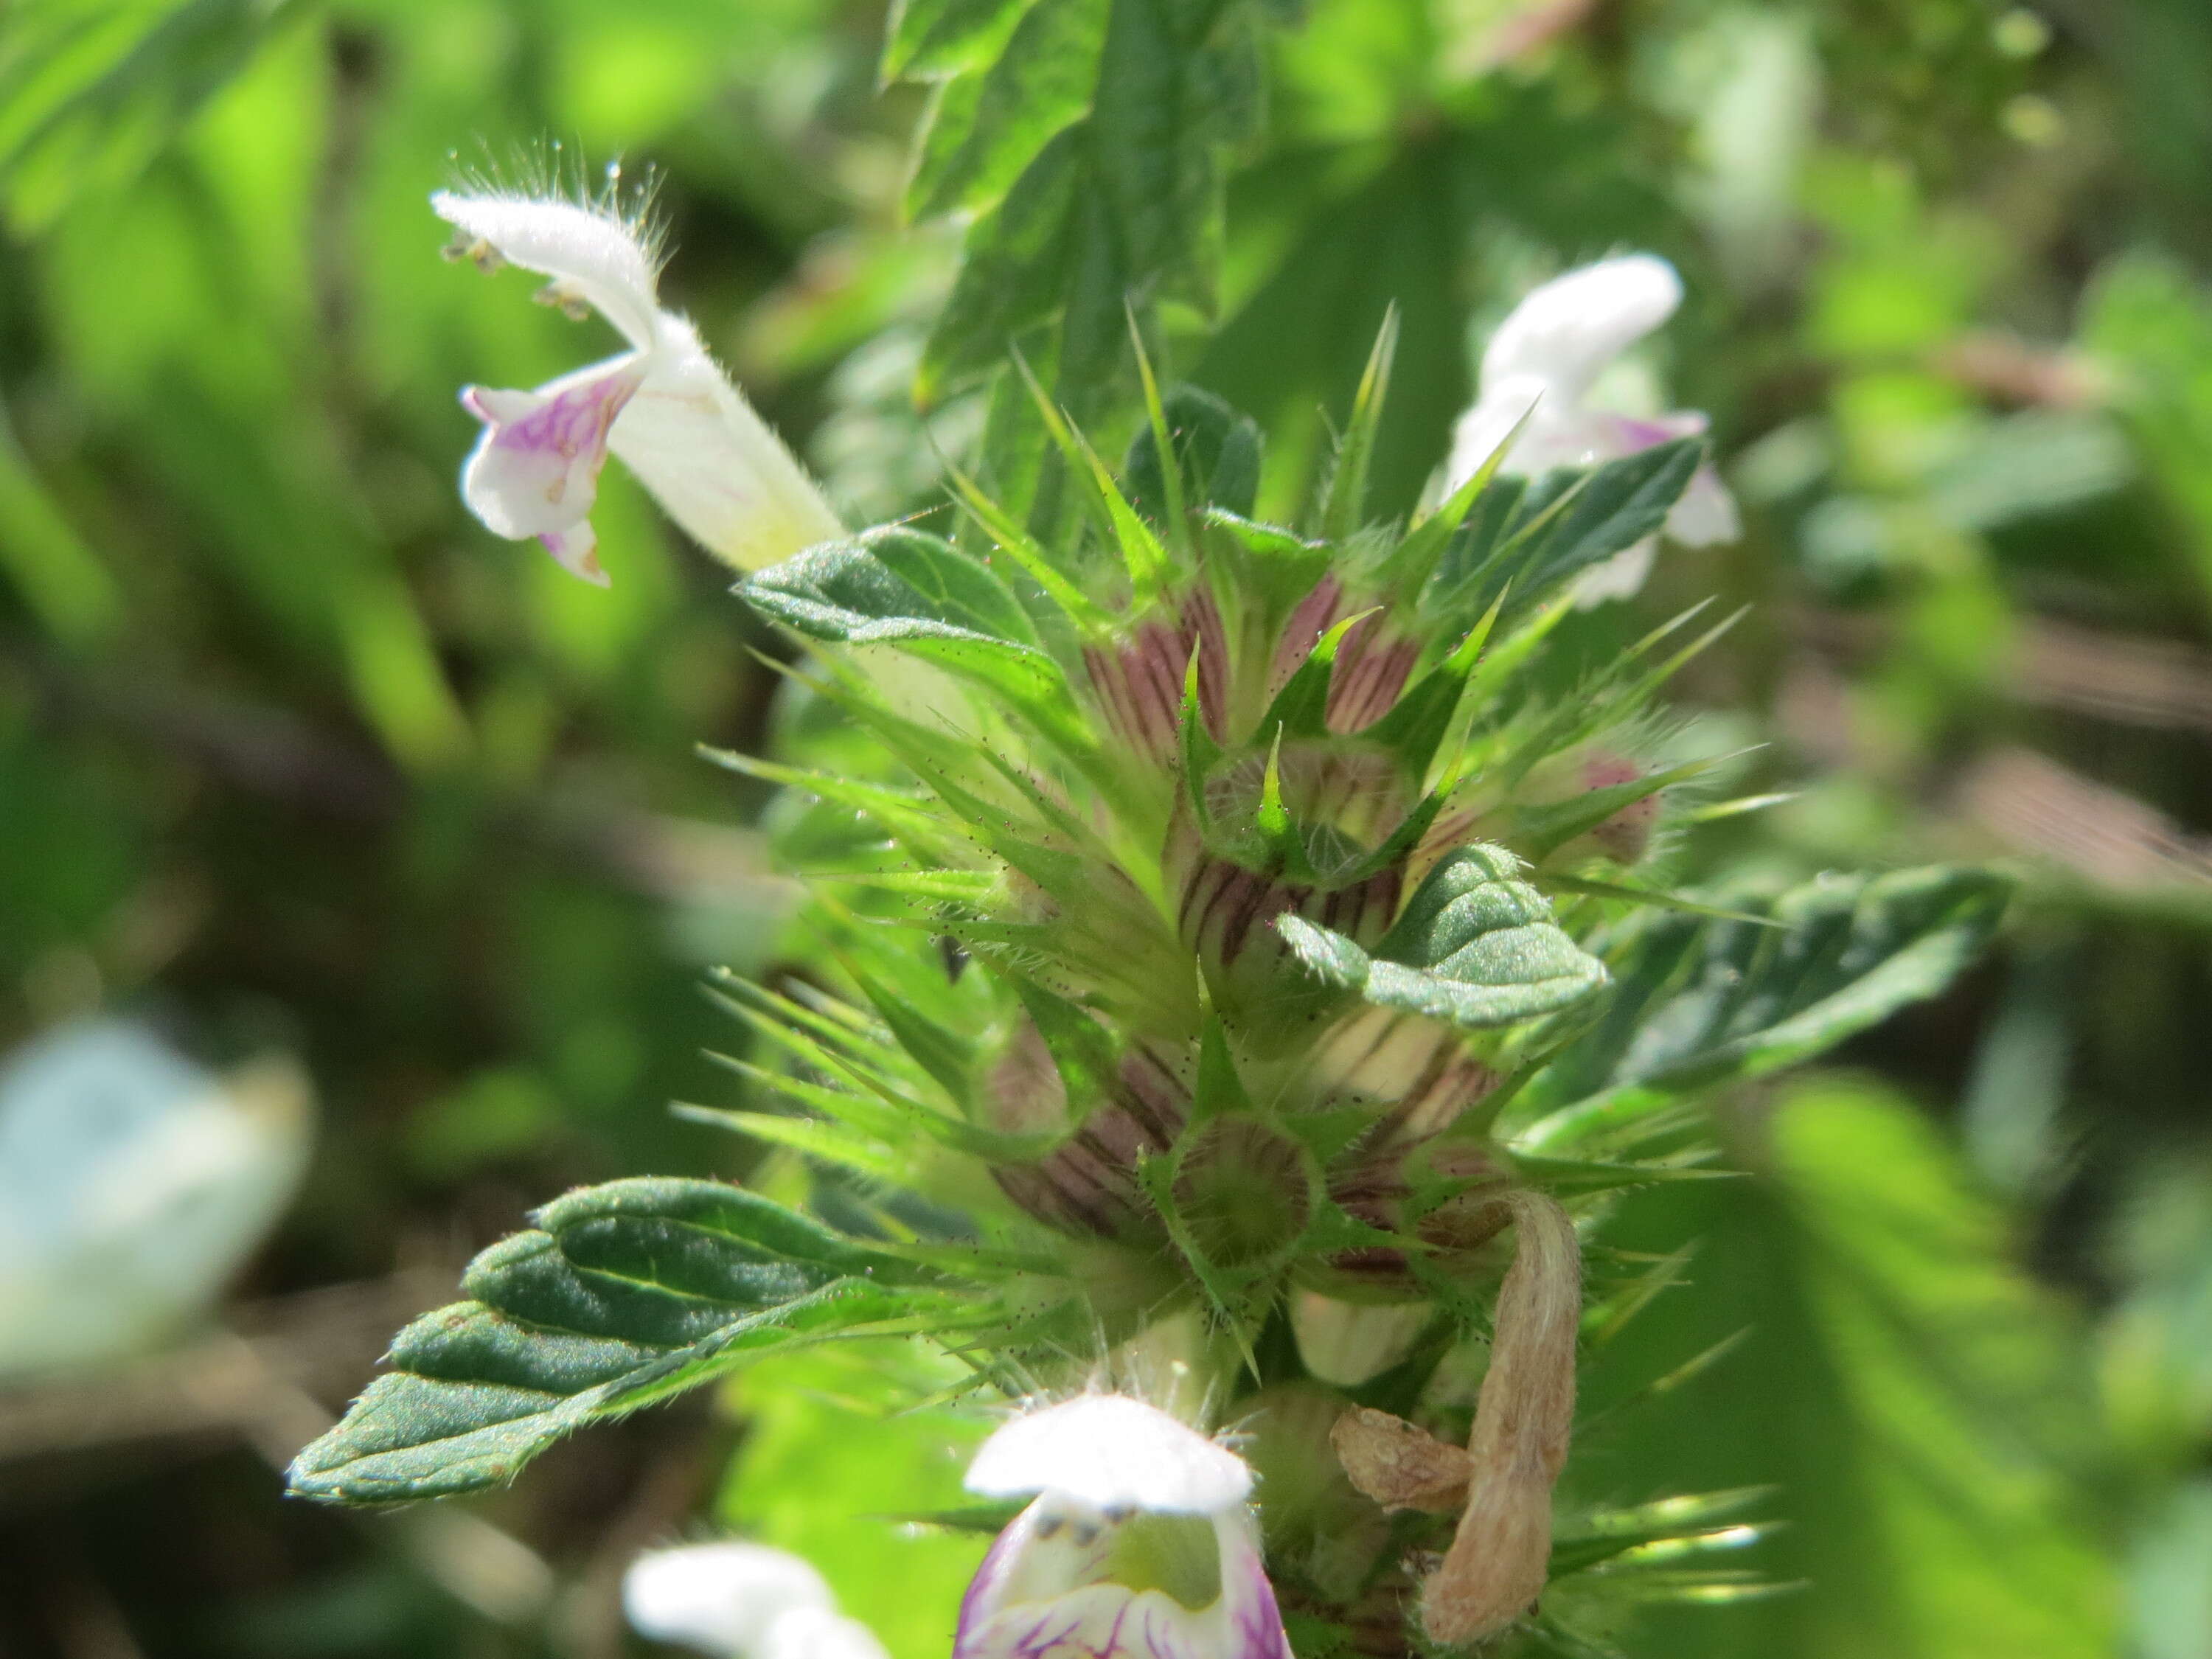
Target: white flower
x=1542 y=362
x=1140 y=1544
x=133 y=1182
x=738 y=1601
x=663 y=406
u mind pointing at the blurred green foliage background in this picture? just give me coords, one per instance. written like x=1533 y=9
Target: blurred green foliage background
x=292 y=753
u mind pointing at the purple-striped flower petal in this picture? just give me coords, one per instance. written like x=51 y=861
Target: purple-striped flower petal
x=664 y=407
x=536 y=469
x=1140 y=1544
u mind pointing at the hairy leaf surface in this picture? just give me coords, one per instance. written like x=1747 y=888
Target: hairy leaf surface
x=1475 y=946
x=621 y=1294
x=1698 y=1002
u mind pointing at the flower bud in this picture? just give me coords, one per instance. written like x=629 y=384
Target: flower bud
x=1349 y=1343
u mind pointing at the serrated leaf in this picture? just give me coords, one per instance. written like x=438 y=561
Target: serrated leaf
x=621 y=1293
x=845 y=593
x=1116 y=199
x=984 y=129
x=1013 y=272
x=890 y=574
x=1536 y=536
x=930 y=40
x=1698 y=1003
x=1475 y=946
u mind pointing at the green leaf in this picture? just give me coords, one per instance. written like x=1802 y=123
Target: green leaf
x=1092 y=151
x=622 y=1294
x=1014 y=271
x=1697 y=1003
x=1216 y=453
x=985 y=129
x=928 y=39
x=889 y=574
x=871 y=591
x=1475 y=945
x=1964 y=1393
x=90 y=94
x=1536 y=537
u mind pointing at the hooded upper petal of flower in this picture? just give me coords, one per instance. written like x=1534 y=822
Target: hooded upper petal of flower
x=1138 y=1544
x=1539 y=369
x=1567 y=332
x=737 y=1601
x=664 y=406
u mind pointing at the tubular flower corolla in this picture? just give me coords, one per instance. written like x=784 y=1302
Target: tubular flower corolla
x=1541 y=366
x=663 y=406
x=1140 y=1543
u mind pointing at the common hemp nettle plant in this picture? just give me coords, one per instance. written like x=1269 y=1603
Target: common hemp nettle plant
x=1237 y=992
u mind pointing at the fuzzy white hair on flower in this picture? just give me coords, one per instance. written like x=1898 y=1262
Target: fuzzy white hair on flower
x=1538 y=372
x=1112 y=1452
x=738 y=1601
x=1139 y=1542
x=664 y=405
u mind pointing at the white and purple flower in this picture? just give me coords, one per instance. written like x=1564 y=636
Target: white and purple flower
x=663 y=406
x=1541 y=367
x=1139 y=1542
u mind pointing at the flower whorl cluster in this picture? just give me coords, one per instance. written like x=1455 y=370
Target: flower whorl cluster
x=1258 y=854
x=1249 y=837
x=1250 y=830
